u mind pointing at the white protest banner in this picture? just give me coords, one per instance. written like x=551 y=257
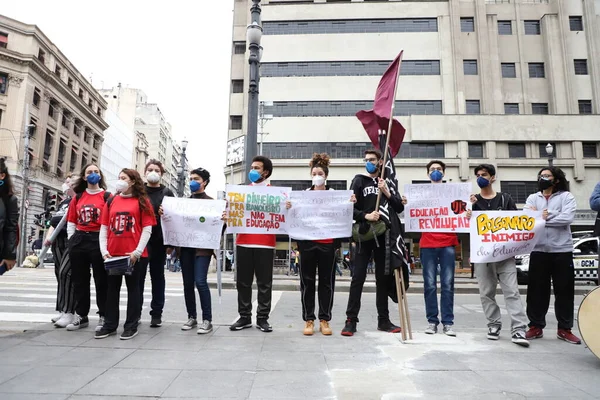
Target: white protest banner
x=437 y=207
x=320 y=214
x=499 y=235
x=192 y=223
x=257 y=209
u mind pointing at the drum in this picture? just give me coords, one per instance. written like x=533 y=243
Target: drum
x=588 y=320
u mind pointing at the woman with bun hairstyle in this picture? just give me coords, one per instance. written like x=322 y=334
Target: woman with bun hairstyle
x=317 y=254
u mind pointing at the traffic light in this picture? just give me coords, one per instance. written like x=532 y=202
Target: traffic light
x=52 y=203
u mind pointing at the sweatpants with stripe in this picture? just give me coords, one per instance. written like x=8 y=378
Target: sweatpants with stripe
x=65 y=297
x=316 y=256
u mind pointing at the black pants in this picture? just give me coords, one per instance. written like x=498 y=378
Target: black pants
x=254 y=261
x=84 y=250
x=132 y=281
x=65 y=296
x=312 y=256
x=558 y=269
x=157 y=256
x=363 y=255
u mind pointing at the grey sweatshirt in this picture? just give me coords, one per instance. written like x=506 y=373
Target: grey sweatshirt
x=561 y=206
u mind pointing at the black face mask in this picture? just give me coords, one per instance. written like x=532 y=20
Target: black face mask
x=545 y=184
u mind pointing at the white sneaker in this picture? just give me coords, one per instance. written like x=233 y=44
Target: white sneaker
x=79 y=322
x=100 y=324
x=449 y=331
x=431 y=329
x=205 y=327
x=59 y=316
x=64 y=321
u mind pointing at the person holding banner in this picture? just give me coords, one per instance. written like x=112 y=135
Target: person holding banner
x=65 y=296
x=551 y=260
x=319 y=254
x=195 y=264
x=503 y=272
x=157 y=252
x=83 y=230
x=366 y=189
x=438 y=249
x=254 y=255
x=127 y=221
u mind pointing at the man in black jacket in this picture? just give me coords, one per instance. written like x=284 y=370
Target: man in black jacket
x=366 y=188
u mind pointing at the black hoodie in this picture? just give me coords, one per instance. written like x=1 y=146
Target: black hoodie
x=156 y=195
x=366 y=190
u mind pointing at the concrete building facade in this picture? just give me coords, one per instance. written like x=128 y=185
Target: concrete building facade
x=66 y=112
x=482 y=81
x=117 y=148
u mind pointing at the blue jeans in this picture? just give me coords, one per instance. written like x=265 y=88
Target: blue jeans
x=430 y=258
x=194 y=270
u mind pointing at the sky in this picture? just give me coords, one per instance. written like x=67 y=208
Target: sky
x=178 y=52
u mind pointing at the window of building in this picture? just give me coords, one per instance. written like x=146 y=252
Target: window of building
x=3 y=83
x=70 y=83
x=65 y=118
x=585 y=106
x=532 y=27
x=473 y=107
x=353 y=150
x=475 y=150
x=235 y=122
x=33 y=127
x=470 y=67
x=41 y=56
x=467 y=24
x=48 y=145
x=84 y=159
x=505 y=28
x=237 y=85
x=73 y=163
x=96 y=142
x=62 y=148
x=52 y=109
x=519 y=190
x=80 y=94
x=350 y=26
x=511 y=108
x=509 y=70
x=516 y=150
x=57 y=70
x=576 y=23
x=581 y=67
x=539 y=108
x=37 y=97
x=239 y=47
x=349 y=108
x=3 y=39
x=347 y=68
x=542 y=149
x=537 y=70
x=90 y=102
x=590 y=150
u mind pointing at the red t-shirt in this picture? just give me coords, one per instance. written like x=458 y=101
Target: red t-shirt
x=86 y=211
x=434 y=240
x=125 y=224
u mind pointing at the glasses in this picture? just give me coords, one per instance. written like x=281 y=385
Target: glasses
x=546 y=176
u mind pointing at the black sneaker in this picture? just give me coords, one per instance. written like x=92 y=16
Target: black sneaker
x=386 y=325
x=264 y=325
x=349 y=328
x=520 y=339
x=155 y=322
x=129 y=334
x=493 y=333
x=104 y=333
x=241 y=323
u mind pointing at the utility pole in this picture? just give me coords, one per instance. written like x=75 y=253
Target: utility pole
x=24 y=188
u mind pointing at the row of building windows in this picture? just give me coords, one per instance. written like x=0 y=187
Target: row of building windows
x=531 y=27
x=474 y=107
x=350 y=26
x=299 y=150
x=347 y=68
x=349 y=108
x=518 y=150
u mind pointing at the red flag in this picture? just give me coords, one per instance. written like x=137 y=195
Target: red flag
x=378 y=118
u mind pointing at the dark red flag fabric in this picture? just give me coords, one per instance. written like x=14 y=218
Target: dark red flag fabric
x=378 y=118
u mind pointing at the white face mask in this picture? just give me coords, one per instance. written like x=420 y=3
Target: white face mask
x=65 y=188
x=318 y=180
x=152 y=177
x=121 y=186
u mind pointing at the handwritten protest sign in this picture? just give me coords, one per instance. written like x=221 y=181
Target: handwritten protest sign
x=192 y=222
x=499 y=235
x=437 y=207
x=257 y=209
x=320 y=214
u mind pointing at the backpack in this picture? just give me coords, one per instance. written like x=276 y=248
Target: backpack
x=106 y=196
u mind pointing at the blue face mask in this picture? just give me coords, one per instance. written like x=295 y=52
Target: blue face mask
x=194 y=186
x=371 y=168
x=254 y=176
x=436 y=175
x=93 y=178
x=482 y=182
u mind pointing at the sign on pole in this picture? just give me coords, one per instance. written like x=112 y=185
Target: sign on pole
x=320 y=214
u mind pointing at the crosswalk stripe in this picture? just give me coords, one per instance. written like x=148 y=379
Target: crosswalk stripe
x=43 y=305
x=23 y=317
x=53 y=296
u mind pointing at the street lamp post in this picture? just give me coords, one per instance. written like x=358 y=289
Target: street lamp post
x=550 y=154
x=181 y=169
x=253 y=36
